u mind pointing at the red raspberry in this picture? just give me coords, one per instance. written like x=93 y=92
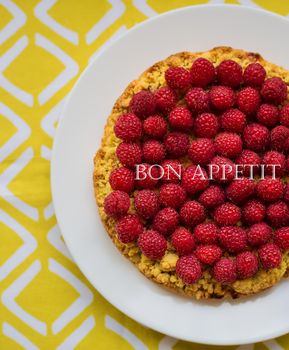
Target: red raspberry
x=189 y=269
x=129 y=154
x=274 y=158
x=166 y=221
x=202 y=72
x=192 y=213
x=281 y=238
x=172 y=170
x=230 y=73
x=268 y=114
x=208 y=254
x=152 y=244
x=178 y=78
x=278 y=214
x=248 y=100
x=155 y=126
x=225 y=271
x=129 y=228
x=228 y=144
x=256 y=137
x=212 y=196
x=270 y=256
x=253 y=211
x=259 y=234
x=166 y=99
x=284 y=115
x=247 y=265
x=233 y=238
x=172 y=195
x=206 y=125
x=233 y=120
x=274 y=90
x=183 y=241
x=238 y=191
x=197 y=99
x=122 y=179
x=177 y=144
x=180 y=118
x=153 y=152
x=254 y=75
x=147 y=176
x=227 y=214
x=222 y=97
x=270 y=190
x=146 y=203
x=195 y=179
x=206 y=233
x=278 y=137
x=222 y=169
x=249 y=160
x=201 y=151
x=286 y=193
x=128 y=127
x=143 y=104
x=116 y=204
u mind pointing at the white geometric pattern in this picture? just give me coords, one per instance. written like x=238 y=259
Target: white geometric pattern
x=18 y=337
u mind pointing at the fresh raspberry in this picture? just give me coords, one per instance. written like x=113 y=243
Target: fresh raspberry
x=201 y=151
x=153 y=151
x=166 y=99
x=152 y=244
x=233 y=120
x=172 y=195
x=270 y=256
x=270 y=190
x=198 y=100
x=222 y=169
x=192 y=213
x=189 y=269
x=233 y=238
x=286 y=193
x=254 y=75
x=143 y=104
x=268 y=114
x=177 y=144
x=155 y=126
x=208 y=254
x=248 y=100
x=225 y=271
x=274 y=90
x=274 y=158
x=256 y=137
x=128 y=127
x=247 y=265
x=206 y=233
x=238 y=191
x=278 y=214
x=147 y=176
x=195 y=179
x=229 y=73
x=183 y=241
x=166 y=221
x=259 y=233
x=228 y=144
x=227 y=214
x=249 y=162
x=180 y=118
x=281 y=238
x=172 y=170
x=202 y=72
x=253 y=212
x=278 y=137
x=129 y=154
x=146 y=203
x=122 y=179
x=212 y=196
x=222 y=97
x=284 y=115
x=116 y=204
x=206 y=125
x=129 y=228
x=178 y=78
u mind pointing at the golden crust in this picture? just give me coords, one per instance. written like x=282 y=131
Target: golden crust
x=163 y=272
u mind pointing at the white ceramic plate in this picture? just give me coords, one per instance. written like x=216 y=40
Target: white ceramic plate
x=79 y=133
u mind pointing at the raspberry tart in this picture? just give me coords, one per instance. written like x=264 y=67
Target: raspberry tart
x=200 y=232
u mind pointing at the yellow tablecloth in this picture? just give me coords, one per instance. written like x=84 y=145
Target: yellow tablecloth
x=46 y=303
